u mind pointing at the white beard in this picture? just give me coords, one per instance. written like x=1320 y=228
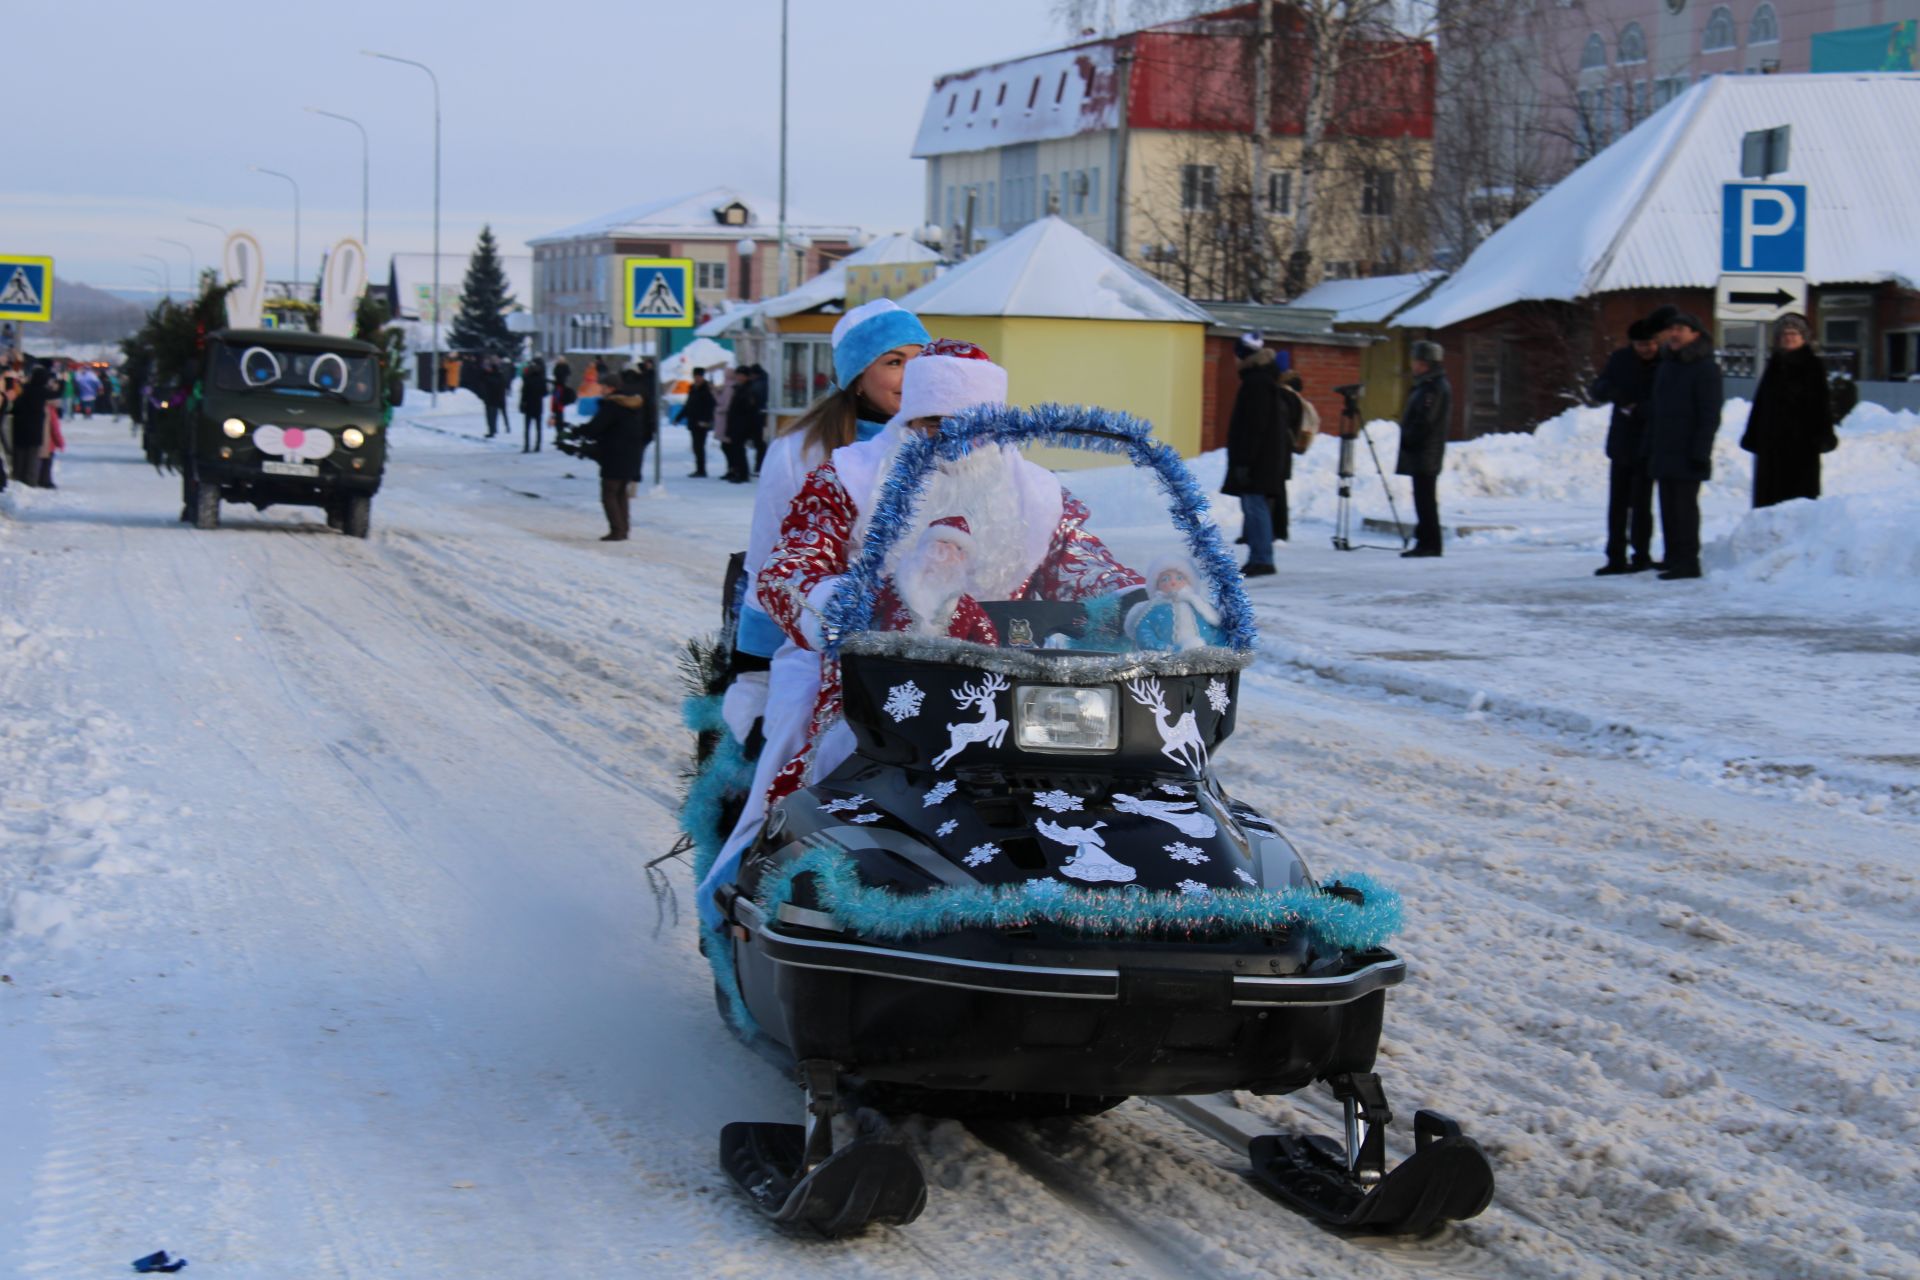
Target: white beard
x=931 y=589
x=980 y=486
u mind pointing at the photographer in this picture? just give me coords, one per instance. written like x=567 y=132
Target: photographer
x=1423 y=444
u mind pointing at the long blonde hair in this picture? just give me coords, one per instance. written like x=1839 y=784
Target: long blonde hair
x=829 y=422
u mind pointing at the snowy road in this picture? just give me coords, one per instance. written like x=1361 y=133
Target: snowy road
x=328 y=950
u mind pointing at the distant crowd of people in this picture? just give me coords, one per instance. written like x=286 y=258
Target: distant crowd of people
x=36 y=396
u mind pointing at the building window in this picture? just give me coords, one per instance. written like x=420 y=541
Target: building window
x=806 y=372
x=1376 y=194
x=1046 y=194
x=949 y=222
x=1594 y=54
x=1079 y=192
x=1033 y=94
x=1586 y=127
x=710 y=275
x=1199 y=188
x=1765 y=27
x=1001 y=99
x=1093 y=191
x=1640 y=96
x=1060 y=90
x=1903 y=355
x=1719 y=32
x=1633 y=44
x=1280 y=193
x=975 y=104
x=953 y=100
x=993 y=212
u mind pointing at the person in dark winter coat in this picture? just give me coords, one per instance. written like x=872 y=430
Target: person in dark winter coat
x=1627 y=384
x=490 y=384
x=533 y=403
x=30 y=424
x=1791 y=423
x=1682 y=418
x=563 y=394
x=1259 y=450
x=617 y=438
x=1424 y=424
x=697 y=414
x=744 y=425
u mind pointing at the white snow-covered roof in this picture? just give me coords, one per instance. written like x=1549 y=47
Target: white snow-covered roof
x=1056 y=94
x=1645 y=213
x=1051 y=268
x=827 y=287
x=1368 y=301
x=695 y=216
x=412 y=276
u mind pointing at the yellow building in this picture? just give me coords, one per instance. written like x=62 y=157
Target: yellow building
x=1073 y=324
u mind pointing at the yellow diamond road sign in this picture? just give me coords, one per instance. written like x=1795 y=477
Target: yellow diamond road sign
x=26 y=288
x=659 y=293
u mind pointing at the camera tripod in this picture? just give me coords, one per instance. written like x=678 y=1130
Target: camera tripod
x=1351 y=429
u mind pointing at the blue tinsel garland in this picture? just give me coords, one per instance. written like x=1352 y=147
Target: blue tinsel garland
x=875 y=912
x=726 y=772
x=1068 y=426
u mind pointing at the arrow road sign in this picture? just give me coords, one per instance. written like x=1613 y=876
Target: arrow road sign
x=1759 y=298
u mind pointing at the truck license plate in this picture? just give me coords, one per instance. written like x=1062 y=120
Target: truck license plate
x=290 y=468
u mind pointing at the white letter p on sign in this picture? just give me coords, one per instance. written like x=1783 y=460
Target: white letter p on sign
x=1751 y=229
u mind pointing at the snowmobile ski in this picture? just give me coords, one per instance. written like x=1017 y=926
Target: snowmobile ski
x=1446 y=1179
x=792 y=1174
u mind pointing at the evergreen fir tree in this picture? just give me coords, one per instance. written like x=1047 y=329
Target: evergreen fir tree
x=481 y=328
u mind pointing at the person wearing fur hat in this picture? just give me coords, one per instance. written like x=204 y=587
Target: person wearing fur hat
x=1011 y=532
x=1424 y=424
x=1627 y=384
x=1683 y=415
x=1178 y=614
x=1791 y=422
x=1259 y=450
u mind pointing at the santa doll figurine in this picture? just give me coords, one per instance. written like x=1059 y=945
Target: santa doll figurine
x=934 y=583
x=1177 y=614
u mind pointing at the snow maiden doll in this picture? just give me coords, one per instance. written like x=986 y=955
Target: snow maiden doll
x=871 y=347
x=989 y=526
x=1178 y=614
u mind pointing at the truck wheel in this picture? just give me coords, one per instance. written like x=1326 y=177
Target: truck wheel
x=358 y=516
x=336 y=515
x=206 y=506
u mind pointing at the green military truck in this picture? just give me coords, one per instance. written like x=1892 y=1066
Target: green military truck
x=280 y=416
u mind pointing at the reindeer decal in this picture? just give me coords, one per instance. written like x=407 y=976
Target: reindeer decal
x=1179 y=739
x=990 y=728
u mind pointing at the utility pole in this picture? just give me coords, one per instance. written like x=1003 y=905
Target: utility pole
x=1125 y=139
x=784 y=286
x=433 y=378
x=335 y=115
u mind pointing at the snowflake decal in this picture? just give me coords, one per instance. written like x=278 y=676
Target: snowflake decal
x=1246 y=879
x=1194 y=889
x=1180 y=851
x=903 y=701
x=847 y=805
x=946 y=828
x=1057 y=801
x=1217 y=694
x=1171 y=789
x=940 y=791
x=868 y=817
x=1044 y=887
x=981 y=854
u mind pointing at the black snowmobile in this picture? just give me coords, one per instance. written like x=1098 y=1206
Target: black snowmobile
x=1025 y=893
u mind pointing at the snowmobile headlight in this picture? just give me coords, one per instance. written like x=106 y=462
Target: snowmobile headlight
x=1051 y=717
x=353 y=437
x=234 y=428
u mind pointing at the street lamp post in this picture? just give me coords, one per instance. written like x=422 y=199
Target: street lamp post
x=193 y=269
x=335 y=115
x=275 y=173
x=149 y=270
x=783 y=147
x=166 y=271
x=433 y=381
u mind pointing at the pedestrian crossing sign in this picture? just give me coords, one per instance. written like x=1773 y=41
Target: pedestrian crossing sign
x=26 y=288
x=659 y=293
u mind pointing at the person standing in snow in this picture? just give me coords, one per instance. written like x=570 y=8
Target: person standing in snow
x=1791 y=422
x=872 y=345
x=533 y=399
x=86 y=389
x=1627 y=384
x=30 y=410
x=743 y=426
x=492 y=387
x=617 y=437
x=1423 y=444
x=697 y=413
x=1683 y=417
x=1259 y=450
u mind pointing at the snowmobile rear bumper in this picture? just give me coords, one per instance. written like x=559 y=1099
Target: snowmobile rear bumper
x=1086 y=1018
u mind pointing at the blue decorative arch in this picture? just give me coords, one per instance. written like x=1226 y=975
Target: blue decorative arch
x=1069 y=426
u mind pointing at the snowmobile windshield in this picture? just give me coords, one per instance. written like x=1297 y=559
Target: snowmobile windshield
x=294 y=371
x=1013 y=529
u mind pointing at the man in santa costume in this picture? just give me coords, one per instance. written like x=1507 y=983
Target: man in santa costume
x=990 y=526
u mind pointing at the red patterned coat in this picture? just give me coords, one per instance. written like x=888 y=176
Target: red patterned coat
x=815 y=549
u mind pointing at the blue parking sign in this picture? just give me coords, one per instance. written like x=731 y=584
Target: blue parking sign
x=1763 y=227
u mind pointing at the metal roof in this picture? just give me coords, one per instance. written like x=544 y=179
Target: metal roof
x=694 y=217
x=1645 y=213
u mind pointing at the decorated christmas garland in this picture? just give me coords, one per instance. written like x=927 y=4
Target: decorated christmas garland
x=1332 y=921
x=1068 y=426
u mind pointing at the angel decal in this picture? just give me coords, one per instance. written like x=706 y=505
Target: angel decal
x=1090 y=860
x=1182 y=814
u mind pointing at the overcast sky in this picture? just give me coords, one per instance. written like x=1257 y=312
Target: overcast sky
x=127 y=118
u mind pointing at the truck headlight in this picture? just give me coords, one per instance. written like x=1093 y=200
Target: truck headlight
x=1051 y=717
x=234 y=428
x=353 y=437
